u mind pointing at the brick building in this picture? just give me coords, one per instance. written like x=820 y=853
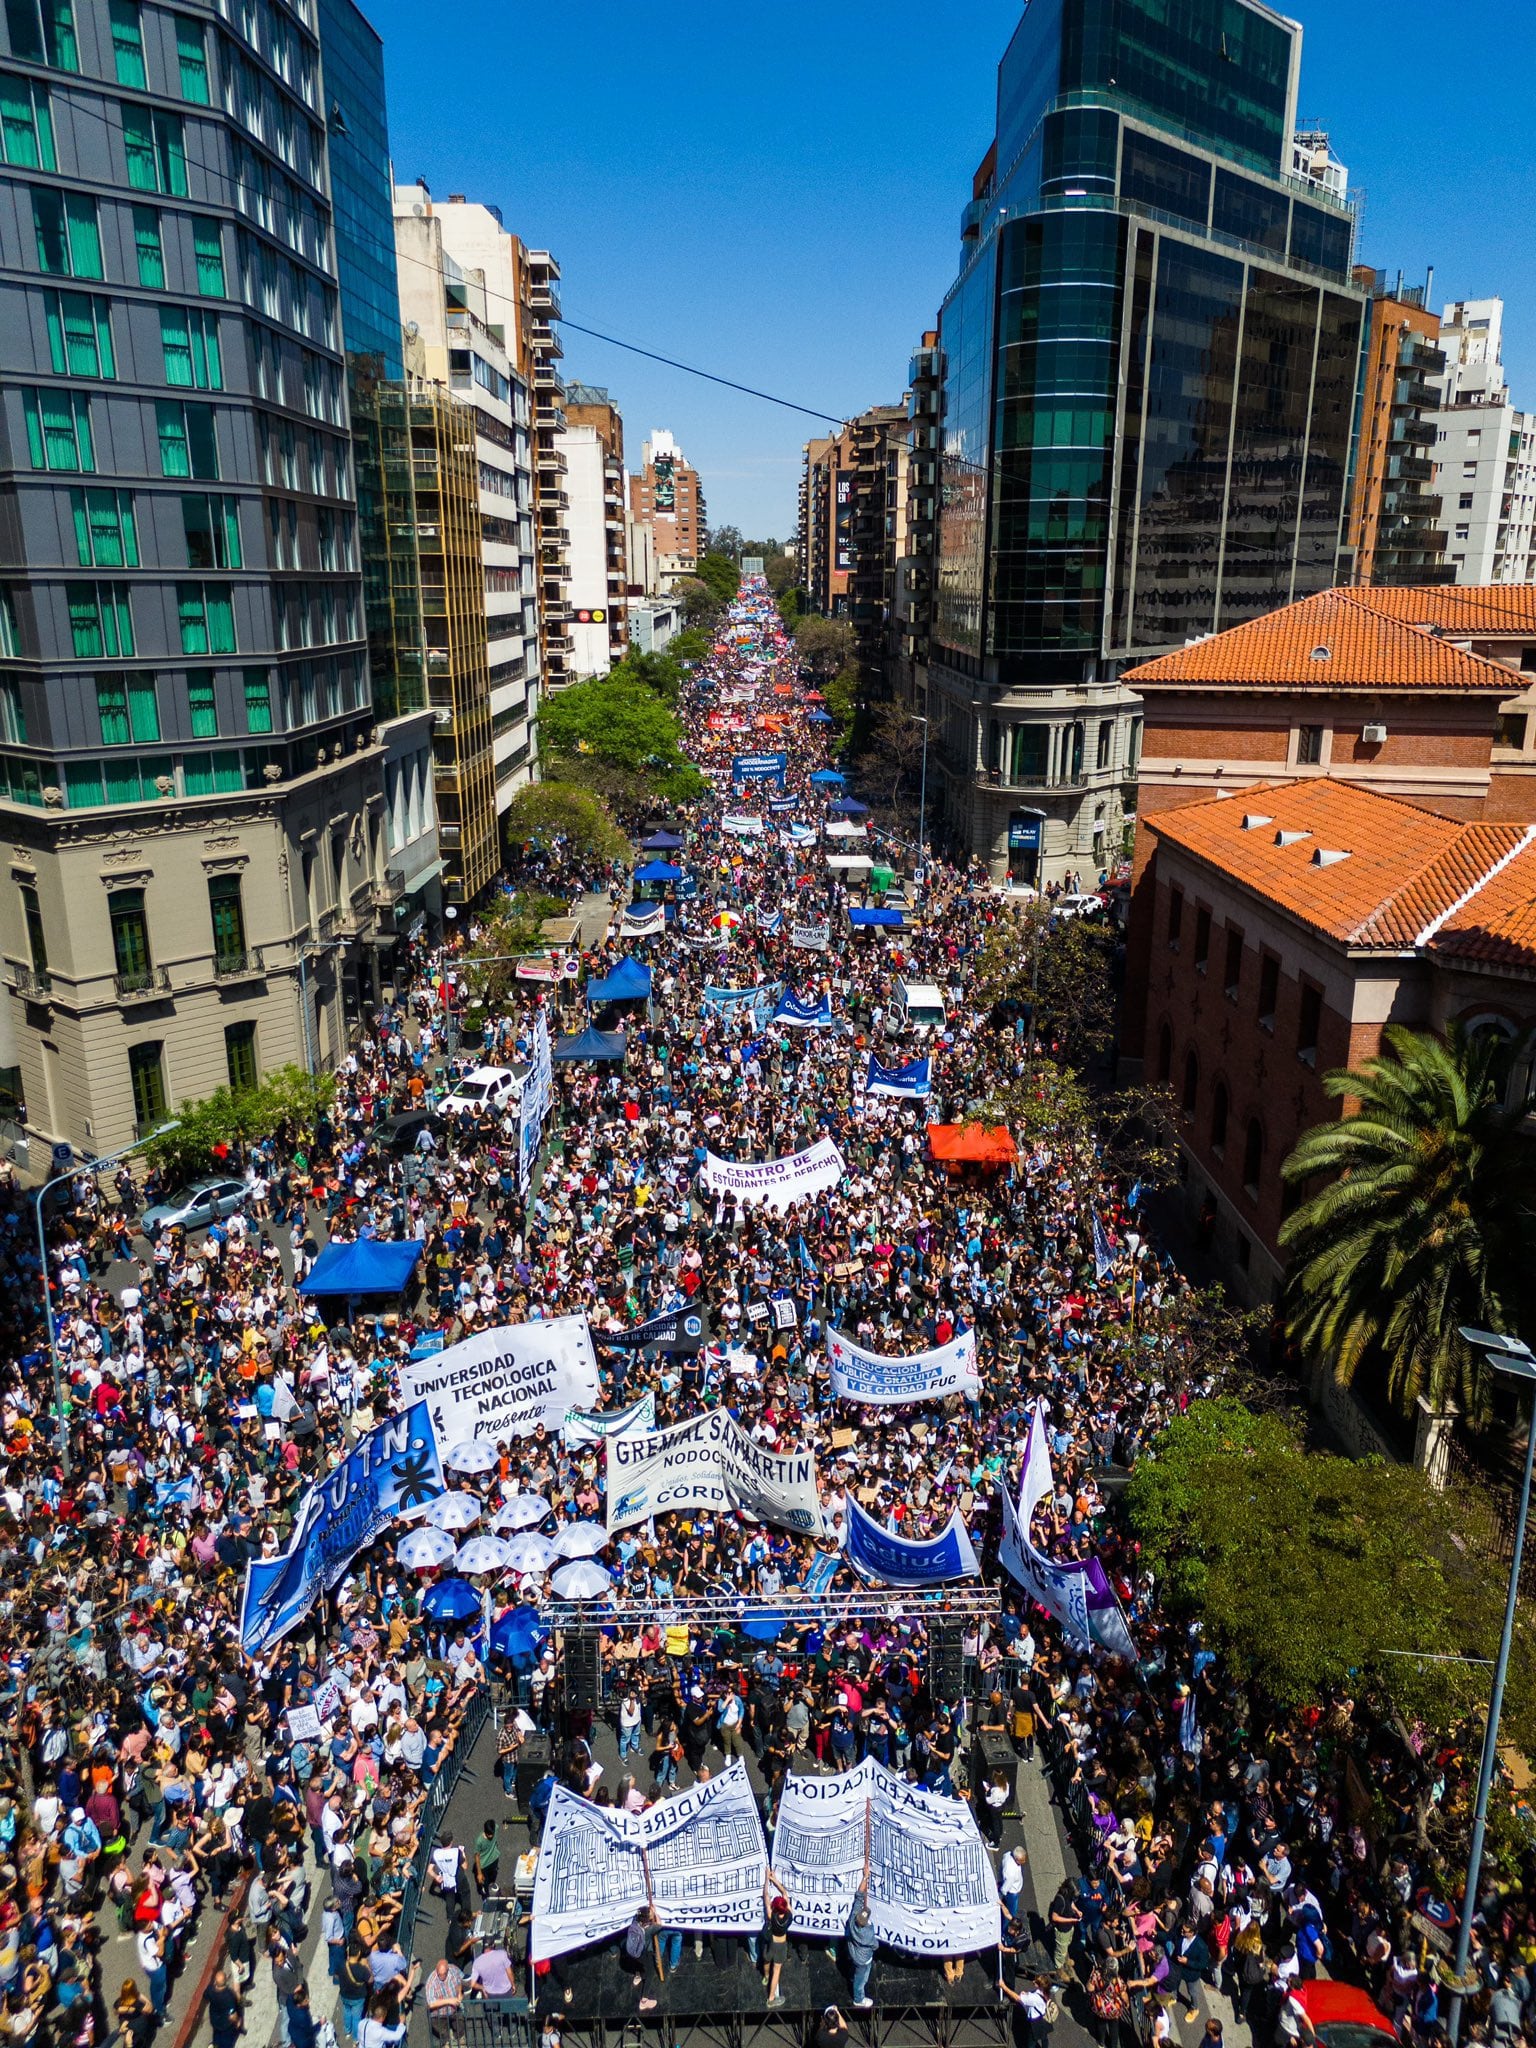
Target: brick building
x=1284 y=929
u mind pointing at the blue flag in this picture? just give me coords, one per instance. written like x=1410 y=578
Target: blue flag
x=1103 y=1257
x=1134 y=1196
x=898 y=1562
x=911 y=1079
x=815 y=1015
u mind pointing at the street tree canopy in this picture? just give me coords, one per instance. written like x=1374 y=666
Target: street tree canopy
x=214 y=1130
x=824 y=645
x=547 y=812
x=614 y=719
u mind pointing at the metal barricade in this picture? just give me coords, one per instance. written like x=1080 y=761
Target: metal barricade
x=439 y=1793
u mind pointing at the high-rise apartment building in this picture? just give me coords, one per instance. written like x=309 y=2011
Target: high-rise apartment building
x=853 y=511
x=1150 y=359
x=593 y=445
x=1396 y=530
x=1485 y=452
x=463 y=285
x=191 y=760
x=550 y=496
x=668 y=497
x=912 y=598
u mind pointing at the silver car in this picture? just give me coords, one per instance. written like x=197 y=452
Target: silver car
x=199 y=1202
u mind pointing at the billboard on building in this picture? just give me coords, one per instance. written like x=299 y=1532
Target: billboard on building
x=666 y=484
x=843 y=524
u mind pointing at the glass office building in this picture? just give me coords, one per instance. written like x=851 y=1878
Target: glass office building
x=1150 y=356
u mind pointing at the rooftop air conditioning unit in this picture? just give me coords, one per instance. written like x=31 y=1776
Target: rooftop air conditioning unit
x=1374 y=735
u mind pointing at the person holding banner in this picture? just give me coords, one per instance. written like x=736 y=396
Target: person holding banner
x=778 y=1917
x=863 y=1946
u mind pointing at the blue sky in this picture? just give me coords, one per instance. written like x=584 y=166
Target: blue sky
x=775 y=194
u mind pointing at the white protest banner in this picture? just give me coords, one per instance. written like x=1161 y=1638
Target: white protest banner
x=931 y=1888
x=303 y=1724
x=876 y=1381
x=703 y=1852
x=590 y=1426
x=1060 y=1589
x=776 y=1182
x=710 y=1463
x=504 y=1383
x=538 y=1093
x=741 y=824
x=810 y=938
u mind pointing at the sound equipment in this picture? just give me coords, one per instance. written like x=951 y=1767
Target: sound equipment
x=583 y=1670
x=532 y=1763
x=993 y=1755
x=946 y=1663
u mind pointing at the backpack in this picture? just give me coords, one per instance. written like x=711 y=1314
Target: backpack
x=634 y=1941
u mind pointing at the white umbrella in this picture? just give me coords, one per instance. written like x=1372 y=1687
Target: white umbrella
x=522 y=1511
x=470 y=1456
x=530 y=1553
x=581 y=1580
x=452 y=1511
x=580 y=1539
x=483 y=1554
x=424 y=1547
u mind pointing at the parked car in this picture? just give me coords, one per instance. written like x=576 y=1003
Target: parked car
x=1343 y=2016
x=398 y=1134
x=483 y=1089
x=198 y=1203
x=1077 y=906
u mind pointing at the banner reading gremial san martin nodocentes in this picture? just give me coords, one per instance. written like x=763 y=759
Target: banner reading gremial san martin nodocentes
x=710 y=1463
x=931 y=1889
x=776 y=1182
x=503 y=1383
x=704 y=1853
x=877 y=1381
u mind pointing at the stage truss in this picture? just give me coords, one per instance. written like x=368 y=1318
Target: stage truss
x=882 y=1603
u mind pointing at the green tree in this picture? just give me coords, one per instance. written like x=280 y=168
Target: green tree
x=891 y=762
x=545 y=812
x=721 y=574
x=234 y=1119
x=781 y=571
x=1063 y=967
x=690 y=645
x=697 y=598
x=502 y=933
x=612 y=719
x=727 y=541
x=825 y=646
x=1424 y=1221
x=791 y=603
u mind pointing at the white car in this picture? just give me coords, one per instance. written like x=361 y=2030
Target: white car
x=482 y=1090
x=1078 y=906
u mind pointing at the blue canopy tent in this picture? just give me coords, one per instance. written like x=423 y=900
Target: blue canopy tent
x=371 y=1266
x=829 y=776
x=819 y=717
x=661 y=842
x=658 y=871
x=628 y=983
x=848 y=807
x=590 y=1044
x=857 y=915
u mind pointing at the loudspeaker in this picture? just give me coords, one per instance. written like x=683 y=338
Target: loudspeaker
x=532 y=1763
x=946 y=1667
x=994 y=1754
x=583 y=1670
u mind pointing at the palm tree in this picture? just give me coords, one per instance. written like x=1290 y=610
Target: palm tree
x=1424 y=1223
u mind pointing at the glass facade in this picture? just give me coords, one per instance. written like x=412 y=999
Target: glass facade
x=1161 y=336
x=352 y=61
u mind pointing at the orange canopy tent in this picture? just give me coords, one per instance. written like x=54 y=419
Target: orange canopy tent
x=972 y=1145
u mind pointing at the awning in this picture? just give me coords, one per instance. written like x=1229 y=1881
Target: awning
x=857 y=862
x=972 y=1145
x=658 y=871
x=590 y=1044
x=859 y=916
x=370 y=1266
x=628 y=983
x=829 y=776
x=845 y=828
x=661 y=842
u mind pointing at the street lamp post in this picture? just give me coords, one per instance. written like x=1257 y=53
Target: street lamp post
x=1507 y=1355
x=922 y=807
x=61 y=1438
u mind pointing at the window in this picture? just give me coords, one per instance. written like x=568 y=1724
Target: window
x=1031 y=752
x=1232 y=972
x=1512 y=730
x=1253 y=1158
x=1309 y=745
x=43 y=32
x=192 y=60
x=212 y=528
x=79 y=334
x=1191 y=1081
x=26 y=125
x=128 y=710
x=1219 y=1106
x=68 y=238
x=37 y=938
x=1269 y=989
x=211 y=774
x=147 y=1075
x=208 y=245
x=105 y=534
x=258 y=701
x=1075 y=771
x=1175 y=918
x=1164 y=1053
x=130 y=935
x=240 y=1055
x=157 y=157
x=1464 y=502
x=146 y=246
x=188 y=444
x=207 y=616
x=1202 y=938
x=13 y=719
x=59 y=430
x=1308 y=1023
x=1106 y=741
x=100 y=622
x=202 y=705
x=128 y=44
x=190 y=342
x=228 y=916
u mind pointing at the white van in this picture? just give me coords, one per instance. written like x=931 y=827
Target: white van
x=482 y=1089
x=917 y=1006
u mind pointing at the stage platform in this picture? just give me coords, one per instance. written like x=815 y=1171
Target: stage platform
x=709 y=2005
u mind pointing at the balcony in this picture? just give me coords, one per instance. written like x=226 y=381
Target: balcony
x=1413 y=434
x=1414 y=392
x=545 y=339
x=544 y=299
x=551 y=460
x=327 y=922
x=1422 y=356
x=145 y=984
x=244 y=966
x=389 y=889
x=36 y=987
x=554 y=501
x=1411 y=468
x=547 y=382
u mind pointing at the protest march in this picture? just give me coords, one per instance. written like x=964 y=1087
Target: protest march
x=710 y=1358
